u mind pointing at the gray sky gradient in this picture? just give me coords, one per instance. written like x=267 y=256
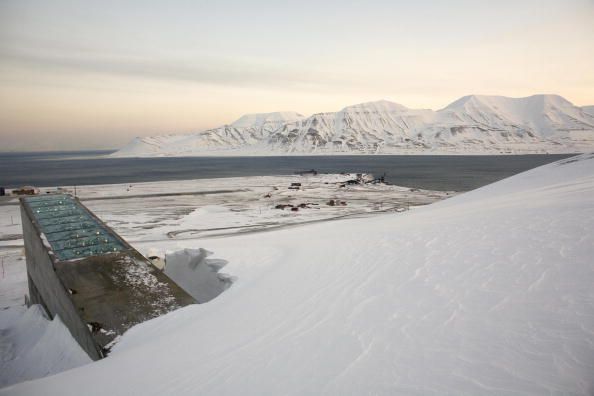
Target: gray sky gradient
x=94 y=74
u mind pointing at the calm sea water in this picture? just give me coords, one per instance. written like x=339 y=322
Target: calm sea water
x=459 y=173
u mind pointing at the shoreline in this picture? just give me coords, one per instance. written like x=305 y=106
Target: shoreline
x=460 y=173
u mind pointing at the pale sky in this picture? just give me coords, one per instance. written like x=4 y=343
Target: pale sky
x=94 y=74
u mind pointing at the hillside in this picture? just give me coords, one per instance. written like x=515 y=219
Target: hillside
x=489 y=292
x=248 y=130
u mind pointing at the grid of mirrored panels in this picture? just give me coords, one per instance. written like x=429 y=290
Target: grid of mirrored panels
x=70 y=229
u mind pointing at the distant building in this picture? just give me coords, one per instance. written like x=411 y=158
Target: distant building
x=26 y=190
x=307 y=172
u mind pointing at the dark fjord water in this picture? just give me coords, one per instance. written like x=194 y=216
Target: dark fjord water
x=459 y=173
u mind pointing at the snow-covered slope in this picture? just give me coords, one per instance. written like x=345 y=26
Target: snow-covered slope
x=588 y=109
x=489 y=292
x=31 y=346
x=516 y=124
x=473 y=124
x=365 y=127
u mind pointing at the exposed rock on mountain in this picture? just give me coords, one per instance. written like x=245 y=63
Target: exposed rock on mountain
x=473 y=124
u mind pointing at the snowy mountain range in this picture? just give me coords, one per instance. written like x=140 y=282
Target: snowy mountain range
x=474 y=124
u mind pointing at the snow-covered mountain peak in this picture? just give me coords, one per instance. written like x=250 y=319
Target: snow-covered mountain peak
x=550 y=100
x=494 y=102
x=538 y=116
x=466 y=101
x=379 y=106
x=259 y=120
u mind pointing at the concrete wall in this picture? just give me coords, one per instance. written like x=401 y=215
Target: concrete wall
x=45 y=288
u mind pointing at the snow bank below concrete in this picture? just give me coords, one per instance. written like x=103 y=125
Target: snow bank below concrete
x=31 y=346
x=489 y=292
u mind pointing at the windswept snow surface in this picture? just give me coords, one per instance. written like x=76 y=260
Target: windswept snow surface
x=31 y=346
x=474 y=124
x=489 y=292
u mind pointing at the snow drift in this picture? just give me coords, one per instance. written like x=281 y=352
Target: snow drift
x=196 y=274
x=31 y=346
x=475 y=124
x=489 y=292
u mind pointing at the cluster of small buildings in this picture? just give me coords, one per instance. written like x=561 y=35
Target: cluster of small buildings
x=25 y=190
x=31 y=190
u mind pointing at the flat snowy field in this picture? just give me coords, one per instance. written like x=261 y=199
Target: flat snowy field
x=191 y=209
x=489 y=292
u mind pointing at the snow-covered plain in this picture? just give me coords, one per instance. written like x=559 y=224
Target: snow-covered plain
x=190 y=209
x=474 y=124
x=489 y=292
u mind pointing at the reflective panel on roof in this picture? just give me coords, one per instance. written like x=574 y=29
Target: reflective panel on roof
x=70 y=229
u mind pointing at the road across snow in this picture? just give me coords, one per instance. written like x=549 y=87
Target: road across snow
x=489 y=292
